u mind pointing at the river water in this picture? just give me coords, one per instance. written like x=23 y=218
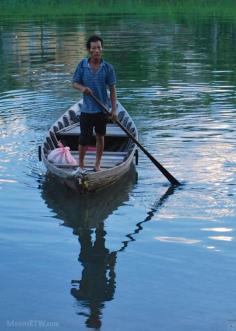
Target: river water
x=140 y=256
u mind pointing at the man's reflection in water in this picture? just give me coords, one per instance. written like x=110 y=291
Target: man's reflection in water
x=97 y=284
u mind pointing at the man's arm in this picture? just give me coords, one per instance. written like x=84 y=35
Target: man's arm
x=82 y=88
x=113 y=101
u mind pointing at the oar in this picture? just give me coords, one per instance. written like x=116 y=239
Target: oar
x=165 y=172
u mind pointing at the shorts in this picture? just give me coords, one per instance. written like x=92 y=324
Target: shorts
x=88 y=122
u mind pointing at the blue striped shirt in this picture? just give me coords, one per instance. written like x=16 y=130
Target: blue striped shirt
x=97 y=81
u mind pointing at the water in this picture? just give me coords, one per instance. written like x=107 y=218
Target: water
x=140 y=256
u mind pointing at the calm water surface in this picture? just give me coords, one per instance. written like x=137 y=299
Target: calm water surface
x=140 y=256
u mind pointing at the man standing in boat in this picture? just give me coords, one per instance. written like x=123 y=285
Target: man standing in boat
x=93 y=75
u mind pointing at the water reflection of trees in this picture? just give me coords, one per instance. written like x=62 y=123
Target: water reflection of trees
x=150 y=50
x=86 y=215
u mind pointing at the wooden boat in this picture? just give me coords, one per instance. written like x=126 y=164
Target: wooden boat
x=87 y=211
x=117 y=158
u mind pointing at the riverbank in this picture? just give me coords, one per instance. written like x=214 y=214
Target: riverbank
x=52 y=8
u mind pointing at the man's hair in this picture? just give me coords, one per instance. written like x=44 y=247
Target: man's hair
x=93 y=38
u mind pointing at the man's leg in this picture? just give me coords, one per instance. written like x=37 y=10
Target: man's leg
x=86 y=128
x=82 y=152
x=100 y=129
x=99 y=151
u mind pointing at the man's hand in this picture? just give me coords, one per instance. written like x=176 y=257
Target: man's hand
x=114 y=116
x=87 y=91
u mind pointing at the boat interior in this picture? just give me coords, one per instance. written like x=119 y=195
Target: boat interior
x=117 y=147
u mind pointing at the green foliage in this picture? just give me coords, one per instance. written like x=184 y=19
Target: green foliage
x=45 y=8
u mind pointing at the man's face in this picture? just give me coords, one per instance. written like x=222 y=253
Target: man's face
x=96 y=49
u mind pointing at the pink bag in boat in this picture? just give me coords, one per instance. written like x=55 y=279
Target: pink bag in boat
x=61 y=155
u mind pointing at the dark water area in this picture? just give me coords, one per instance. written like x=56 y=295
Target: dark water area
x=140 y=255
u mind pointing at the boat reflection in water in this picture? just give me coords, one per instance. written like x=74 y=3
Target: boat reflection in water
x=80 y=211
x=86 y=214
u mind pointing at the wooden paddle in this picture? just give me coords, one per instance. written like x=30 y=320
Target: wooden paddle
x=165 y=172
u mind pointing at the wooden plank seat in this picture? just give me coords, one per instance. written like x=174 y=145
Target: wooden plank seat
x=109 y=159
x=106 y=154
x=74 y=130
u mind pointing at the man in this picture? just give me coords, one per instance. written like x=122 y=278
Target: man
x=92 y=76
